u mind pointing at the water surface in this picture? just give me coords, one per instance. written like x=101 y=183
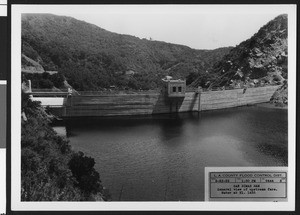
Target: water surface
x=163 y=157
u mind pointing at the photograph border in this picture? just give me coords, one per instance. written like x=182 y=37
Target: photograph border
x=16 y=204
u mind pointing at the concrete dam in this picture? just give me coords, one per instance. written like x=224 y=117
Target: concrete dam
x=154 y=103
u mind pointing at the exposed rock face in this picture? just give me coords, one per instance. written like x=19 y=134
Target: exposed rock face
x=260 y=60
x=31 y=66
x=280 y=97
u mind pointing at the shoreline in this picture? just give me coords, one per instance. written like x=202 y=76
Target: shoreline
x=272 y=106
x=142 y=116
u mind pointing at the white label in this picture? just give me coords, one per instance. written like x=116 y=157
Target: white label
x=246 y=185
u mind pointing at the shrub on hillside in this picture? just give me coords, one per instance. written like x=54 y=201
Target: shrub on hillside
x=88 y=179
x=45 y=157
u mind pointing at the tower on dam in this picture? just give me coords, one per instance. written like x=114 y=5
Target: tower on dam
x=174 y=88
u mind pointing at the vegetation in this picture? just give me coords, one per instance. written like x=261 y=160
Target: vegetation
x=262 y=57
x=92 y=58
x=50 y=170
x=88 y=180
x=45 y=80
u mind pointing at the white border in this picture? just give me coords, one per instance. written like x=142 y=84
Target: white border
x=3 y=10
x=3 y=180
x=154 y=206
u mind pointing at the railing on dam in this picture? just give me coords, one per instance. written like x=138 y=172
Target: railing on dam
x=115 y=92
x=49 y=93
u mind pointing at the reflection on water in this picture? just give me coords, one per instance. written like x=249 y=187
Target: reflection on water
x=163 y=157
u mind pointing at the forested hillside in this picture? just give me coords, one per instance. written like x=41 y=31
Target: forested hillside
x=92 y=58
x=50 y=170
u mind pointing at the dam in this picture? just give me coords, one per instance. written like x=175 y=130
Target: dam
x=94 y=104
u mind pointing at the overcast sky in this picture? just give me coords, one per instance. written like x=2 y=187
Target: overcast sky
x=197 y=26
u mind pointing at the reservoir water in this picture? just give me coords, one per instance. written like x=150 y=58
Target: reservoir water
x=162 y=158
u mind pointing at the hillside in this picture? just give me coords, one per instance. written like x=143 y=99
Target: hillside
x=92 y=58
x=260 y=60
x=51 y=170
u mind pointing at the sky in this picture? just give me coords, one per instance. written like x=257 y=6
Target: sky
x=196 y=26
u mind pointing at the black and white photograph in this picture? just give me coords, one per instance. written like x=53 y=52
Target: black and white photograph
x=142 y=107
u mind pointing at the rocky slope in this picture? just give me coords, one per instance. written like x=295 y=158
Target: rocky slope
x=280 y=97
x=260 y=60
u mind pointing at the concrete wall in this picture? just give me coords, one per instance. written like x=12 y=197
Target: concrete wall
x=155 y=103
x=234 y=98
x=112 y=105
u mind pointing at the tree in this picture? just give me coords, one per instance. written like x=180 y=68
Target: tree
x=45 y=84
x=82 y=168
